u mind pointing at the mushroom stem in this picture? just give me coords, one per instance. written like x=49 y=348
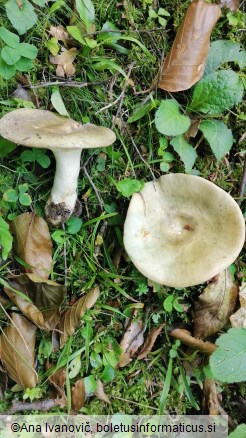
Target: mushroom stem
x=63 y=197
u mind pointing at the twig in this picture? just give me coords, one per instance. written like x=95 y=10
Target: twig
x=140 y=155
x=243 y=184
x=41 y=405
x=122 y=94
x=74 y=84
x=101 y=203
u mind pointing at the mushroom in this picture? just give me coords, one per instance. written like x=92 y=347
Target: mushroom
x=65 y=138
x=183 y=230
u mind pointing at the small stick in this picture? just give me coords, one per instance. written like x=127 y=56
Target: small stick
x=101 y=203
x=140 y=155
x=74 y=84
x=43 y=405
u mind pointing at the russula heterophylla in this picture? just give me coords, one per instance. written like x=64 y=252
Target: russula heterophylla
x=182 y=230
x=65 y=138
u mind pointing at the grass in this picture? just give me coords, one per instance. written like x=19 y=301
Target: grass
x=147 y=386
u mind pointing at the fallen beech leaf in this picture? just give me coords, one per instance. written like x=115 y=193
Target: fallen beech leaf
x=33 y=243
x=78 y=395
x=238 y=319
x=130 y=343
x=215 y=305
x=72 y=317
x=149 y=343
x=99 y=393
x=43 y=299
x=17 y=343
x=210 y=397
x=185 y=63
x=58 y=377
x=59 y=33
x=58 y=380
x=233 y=5
x=197 y=344
x=64 y=62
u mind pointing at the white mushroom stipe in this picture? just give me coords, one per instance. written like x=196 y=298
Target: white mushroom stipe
x=183 y=231
x=65 y=138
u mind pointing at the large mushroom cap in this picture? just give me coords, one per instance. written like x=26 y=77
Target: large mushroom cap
x=45 y=129
x=182 y=230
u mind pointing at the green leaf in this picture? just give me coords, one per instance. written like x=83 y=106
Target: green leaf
x=56 y=6
x=52 y=46
x=24 y=64
x=187 y=390
x=11 y=39
x=86 y=12
x=75 y=32
x=141 y=112
x=11 y=195
x=222 y=51
x=6 y=147
x=28 y=50
x=6 y=239
x=9 y=55
x=186 y=152
x=27 y=156
x=58 y=103
x=90 y=42
x=23 y=188
x=42 y=159
x=108 y=374
x=164 y=167
x=6 y=71
x=228 y=362
x=218 y=135
x=129 y=186
x=169 y=120
x=218 y=92
x=168 y=303
x=239 y=432
x=74 y=367
x=25 y=199
x=108 y=64
x=90 y=384
x=22 y=18
x=73 y=225
x=166 y=387
x=40 y=3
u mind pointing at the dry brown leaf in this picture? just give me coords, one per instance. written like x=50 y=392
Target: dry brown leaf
x=64 y=62
x=78 y=395
x=238 y=319
x=185 y=63
x=215 y=305
x=149 y=343
x=59 y=32
x=17 y=344
x=58 y=377
x=210 y=397
x=72 y=317
x=100 y=394
x=130 y=343
x=233 y=5
x=44 y=298
x=33 y=243
x=197 y=344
